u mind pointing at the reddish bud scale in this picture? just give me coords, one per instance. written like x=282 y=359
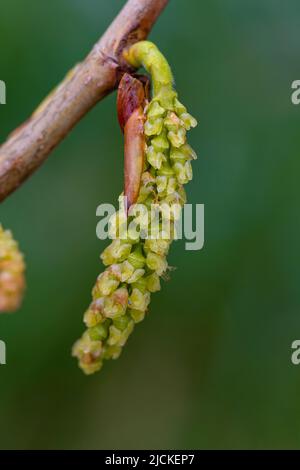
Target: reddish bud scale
x=133 y=94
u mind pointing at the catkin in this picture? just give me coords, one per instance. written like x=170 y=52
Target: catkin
x=12 y=267
x=135 y=264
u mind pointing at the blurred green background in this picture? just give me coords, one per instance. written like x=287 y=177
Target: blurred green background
x=210 y=367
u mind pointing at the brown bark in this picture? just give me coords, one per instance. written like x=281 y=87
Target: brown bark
x=89 y=82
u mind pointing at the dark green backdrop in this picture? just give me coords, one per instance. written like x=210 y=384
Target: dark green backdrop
x=210 y=367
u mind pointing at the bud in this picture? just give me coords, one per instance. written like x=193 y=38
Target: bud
x=155 y=110
x=188 y=170
x=139 y=300
x=126 y=270
x=172 y=186
x=89 y=354
x=117 y=224
x=179 y=107
x=188 y=121
x=112 y=352
x=137 y=315
x=114 y=336
x=145 y=191
x=122 y=322
x=156 y=263
x=185 y=152
x=177 y=138
x=172 y=122
x=160 y=143
x=99 y=332
x=161 y=247
x=161 y=183
x=183 y=172
x=132 y=99
x=89 y=365
x=148 y=179
x=140 y=284
x=166 y=170
x=119 y=337
x=115 y=271
x=115 y=305
x=140 y=220
x=153 y=283
x=93 y=315
x=117 y=251
x=155 y=158
x=136 y=258
x=138 y=273
x=153 y=126
x=105 y=285
x=170 y=211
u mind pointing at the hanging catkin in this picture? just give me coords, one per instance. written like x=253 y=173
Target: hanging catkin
x=157 y=165
x=12 y=267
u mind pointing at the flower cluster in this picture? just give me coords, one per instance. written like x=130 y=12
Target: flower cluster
x=134 y=263
x=12 y=269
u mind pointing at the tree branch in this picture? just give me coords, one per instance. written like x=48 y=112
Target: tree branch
x=89 y=82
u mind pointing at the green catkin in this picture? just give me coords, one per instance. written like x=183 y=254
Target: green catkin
x=122 y=292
